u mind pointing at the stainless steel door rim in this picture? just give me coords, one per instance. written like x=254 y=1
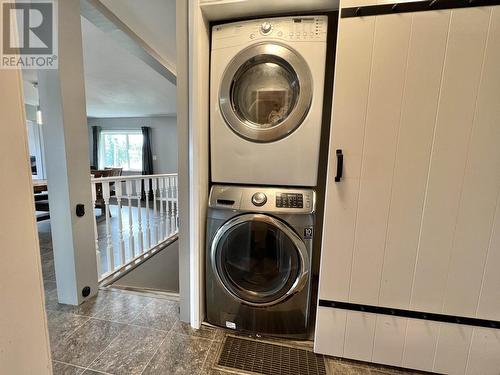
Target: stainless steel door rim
x=275 y=53
x=299 y=245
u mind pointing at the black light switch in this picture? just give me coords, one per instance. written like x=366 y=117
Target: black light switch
x=80 y=210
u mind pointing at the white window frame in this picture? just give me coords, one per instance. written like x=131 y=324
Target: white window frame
x=121 y=132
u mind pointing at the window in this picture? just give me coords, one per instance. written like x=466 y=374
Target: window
x=121 y=149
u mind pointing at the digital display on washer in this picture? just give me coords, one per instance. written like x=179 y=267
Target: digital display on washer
x=289 y=200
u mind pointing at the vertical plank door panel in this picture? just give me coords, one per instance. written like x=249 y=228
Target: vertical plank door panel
x=419 y=106
x=348 y=120
x=331 y=339
x=489 y=300
x=480 y=190
x=389 y=340
x=463 y=64
x=420 y=344
x=360 y=330
x=484 y=357
x=452 y=349
x=390 y=53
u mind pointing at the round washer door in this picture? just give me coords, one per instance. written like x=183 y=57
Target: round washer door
x=265 y=92
x=259 y=260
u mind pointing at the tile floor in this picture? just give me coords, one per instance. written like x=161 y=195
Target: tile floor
x=125 y=333
x=120 y=332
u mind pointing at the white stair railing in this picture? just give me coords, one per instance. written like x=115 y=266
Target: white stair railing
x=151 y=216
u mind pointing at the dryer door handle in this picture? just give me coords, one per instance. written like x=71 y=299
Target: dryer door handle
x=340 y=165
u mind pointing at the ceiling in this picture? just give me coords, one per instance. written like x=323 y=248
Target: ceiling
x=152 y=20
x=118 y=84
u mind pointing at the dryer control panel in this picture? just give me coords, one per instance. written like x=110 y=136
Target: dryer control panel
x=290 y=29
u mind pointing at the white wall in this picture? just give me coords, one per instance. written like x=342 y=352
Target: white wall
x=163 y=137
x=159 y=273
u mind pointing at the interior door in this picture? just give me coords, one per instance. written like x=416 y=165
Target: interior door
x=414 y=221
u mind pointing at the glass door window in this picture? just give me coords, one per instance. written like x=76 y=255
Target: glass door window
x=257 y=261
x=266 y=92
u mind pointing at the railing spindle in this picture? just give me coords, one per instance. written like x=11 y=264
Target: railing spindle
x=131 y=245
x=155 y=208
x=119 y=197
x=96 y=233
x=176 y=204
x=167 y=206
x=161 y=186
x=148 y=227
x=140 y=234
x=109 y=247
x=170 y=207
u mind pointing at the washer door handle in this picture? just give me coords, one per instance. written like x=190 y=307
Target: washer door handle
x=300 y=282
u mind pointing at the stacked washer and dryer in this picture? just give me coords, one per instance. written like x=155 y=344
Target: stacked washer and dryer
x=266 y=101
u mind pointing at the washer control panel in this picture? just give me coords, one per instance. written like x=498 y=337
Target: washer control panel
x=289 y=200
x=262 y=199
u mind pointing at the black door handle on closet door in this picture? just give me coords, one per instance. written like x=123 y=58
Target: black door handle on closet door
x=340 y=165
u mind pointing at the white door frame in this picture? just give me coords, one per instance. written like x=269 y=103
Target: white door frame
x=23 y=323
x=183 y=158
x=192 y=130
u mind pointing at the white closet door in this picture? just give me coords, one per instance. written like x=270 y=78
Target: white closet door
x=415 y=221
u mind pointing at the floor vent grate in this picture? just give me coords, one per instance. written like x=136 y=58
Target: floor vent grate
x=270 y=359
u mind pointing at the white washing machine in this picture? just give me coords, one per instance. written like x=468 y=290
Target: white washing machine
x=266 y=95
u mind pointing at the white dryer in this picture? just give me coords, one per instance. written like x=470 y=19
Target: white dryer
x=266 y=95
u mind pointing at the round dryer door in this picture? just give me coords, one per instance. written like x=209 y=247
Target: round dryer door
x=266 y=92
x=259 y=260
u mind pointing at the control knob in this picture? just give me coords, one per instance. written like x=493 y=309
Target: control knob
x=259 y=199
x=266 y=27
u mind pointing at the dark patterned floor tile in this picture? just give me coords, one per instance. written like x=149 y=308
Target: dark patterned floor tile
x=179 y=354
x=160 y=314
x=121 y=306
x=130 y=352
x=86 y=343
x=59 y=368
x=62 y=324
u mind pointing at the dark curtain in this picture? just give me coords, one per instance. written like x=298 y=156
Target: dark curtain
x=147 y=159
x=96 y=134
x=147 y=155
